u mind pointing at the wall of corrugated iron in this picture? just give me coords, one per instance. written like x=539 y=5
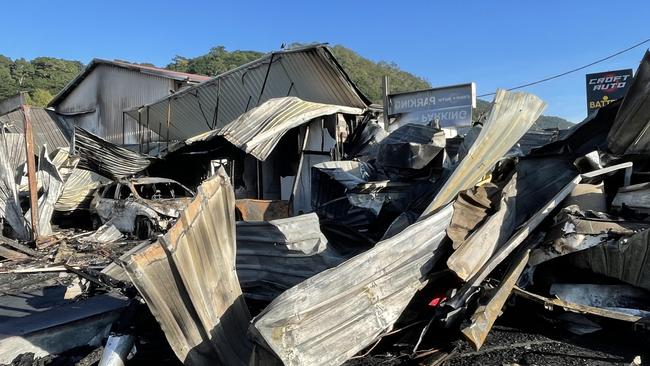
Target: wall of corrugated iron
x=108 y=91
x=310 y=74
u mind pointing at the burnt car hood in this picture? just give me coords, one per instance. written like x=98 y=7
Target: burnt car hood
x=171 y=207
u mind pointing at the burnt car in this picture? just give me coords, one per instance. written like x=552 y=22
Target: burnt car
x=141 y=207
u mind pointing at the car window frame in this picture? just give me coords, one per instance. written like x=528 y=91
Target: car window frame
x=107 y=188
x=118 y=190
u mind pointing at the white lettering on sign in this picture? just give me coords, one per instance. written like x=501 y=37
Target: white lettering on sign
x=608 y=79
x=414 y=103
x=609 y=86
x=609 y=83
x=444 y=116
x=443 y=104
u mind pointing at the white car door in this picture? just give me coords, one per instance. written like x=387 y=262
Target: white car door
x=106 y=202
x=124 y=212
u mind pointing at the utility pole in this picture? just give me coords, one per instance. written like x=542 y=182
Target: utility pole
x=31 y=166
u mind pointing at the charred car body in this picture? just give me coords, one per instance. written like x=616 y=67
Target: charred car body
x=141 y=206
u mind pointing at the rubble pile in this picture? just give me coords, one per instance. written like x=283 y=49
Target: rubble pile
x=307 y=233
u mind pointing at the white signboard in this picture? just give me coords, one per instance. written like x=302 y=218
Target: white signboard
x=449 y=106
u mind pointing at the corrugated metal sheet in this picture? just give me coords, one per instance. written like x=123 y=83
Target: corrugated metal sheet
x=189 y=282
x=533 y=139
x=259 y=130
x=52 y=184
x=49 y=128
x=14 y=143
x=627 y=259
x=104 y=158
x=629 y=133
x=273 y=256
x=309 y=73
x=512 y=114
x=330 y=317
x=9 y=203
x=12 y=103
x=148 y=70
x=96 y=103
x=78 y=190
x=122 y=89
x=475 y=251
x=349 y=173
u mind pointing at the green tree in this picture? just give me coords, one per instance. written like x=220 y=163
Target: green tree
x=365 y=73
x=179 y=63
x=52 y=74
x=368 y=75
x=39 y=97
x=46 y=76
x=41 y=77
x=21 y=71
x=215 y=62
x=8 y=86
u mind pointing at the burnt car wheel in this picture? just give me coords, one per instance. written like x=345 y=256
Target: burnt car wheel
x=143 y=228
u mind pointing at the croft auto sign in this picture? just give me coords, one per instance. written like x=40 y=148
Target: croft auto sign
x=606 y=87
x=449 y=105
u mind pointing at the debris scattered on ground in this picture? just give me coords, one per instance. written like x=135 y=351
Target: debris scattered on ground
x=325 y=233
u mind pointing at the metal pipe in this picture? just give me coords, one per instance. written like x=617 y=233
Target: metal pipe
x=216 y=107
x=260 y=191
x=266 y=76
x=169 y=117
x=139 y=128
x=148 y=130
x=385 y=87
x=116 y=350
x=123 y=129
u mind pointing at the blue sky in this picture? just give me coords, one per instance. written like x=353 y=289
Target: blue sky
x=494 y=43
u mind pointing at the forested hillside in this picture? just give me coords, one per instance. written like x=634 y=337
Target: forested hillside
x=543 y=122
x=44 y=77
x=365 y=73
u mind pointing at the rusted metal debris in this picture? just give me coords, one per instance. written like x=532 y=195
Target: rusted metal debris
x=262 y=210
x=106 y=159
x=350 y=238
x=188 y=279
x=485 y=315
x=360 y=299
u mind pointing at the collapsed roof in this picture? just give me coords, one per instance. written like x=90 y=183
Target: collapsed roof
x=259 y=130
x=49 y=128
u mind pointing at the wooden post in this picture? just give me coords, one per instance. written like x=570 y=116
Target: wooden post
x=385 y=87
x=31 y=168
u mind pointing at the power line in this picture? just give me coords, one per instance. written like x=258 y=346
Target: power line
x=574 y=70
